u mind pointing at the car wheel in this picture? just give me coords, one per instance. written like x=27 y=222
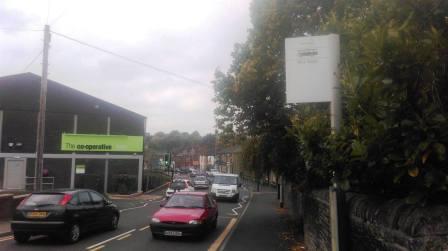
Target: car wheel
x=113 y=222
x=21 y=237
x=156 y=236
x=73 y=233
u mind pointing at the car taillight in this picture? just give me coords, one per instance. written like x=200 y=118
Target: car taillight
x=65 y=199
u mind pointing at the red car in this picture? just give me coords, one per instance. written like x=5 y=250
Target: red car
x=185 y=214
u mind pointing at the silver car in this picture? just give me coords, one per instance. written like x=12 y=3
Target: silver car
x=200 y=182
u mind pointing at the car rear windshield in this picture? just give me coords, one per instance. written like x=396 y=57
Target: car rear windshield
x=185 y=201
x=225 y=180
x=202 y=178
x=178 y=185
x=43 y=200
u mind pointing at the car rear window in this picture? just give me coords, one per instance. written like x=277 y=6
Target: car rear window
x=43 y=200
x=185 y=201
x=178 y=185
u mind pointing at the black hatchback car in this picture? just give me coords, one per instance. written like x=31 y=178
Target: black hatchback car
x=66 y=214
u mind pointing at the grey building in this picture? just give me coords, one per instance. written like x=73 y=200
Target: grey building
x=89 y=143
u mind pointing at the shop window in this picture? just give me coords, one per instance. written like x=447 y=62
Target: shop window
x=89 y=173
x=30 y=174
x=123 y=176
x=56 y=173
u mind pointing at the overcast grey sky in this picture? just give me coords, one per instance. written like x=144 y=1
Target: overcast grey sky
x=191 y=38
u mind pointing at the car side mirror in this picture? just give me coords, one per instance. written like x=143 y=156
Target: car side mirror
x=107 y=202
x=162 y=203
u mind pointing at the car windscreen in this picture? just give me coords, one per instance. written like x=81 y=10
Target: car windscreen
x=178 y=185
x=43 y=200
x=185 y=201
x=225 y=180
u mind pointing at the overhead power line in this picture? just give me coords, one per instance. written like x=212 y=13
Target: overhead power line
x=19 y=29
x=132 y=60
x=32 y=61
x=63 y=13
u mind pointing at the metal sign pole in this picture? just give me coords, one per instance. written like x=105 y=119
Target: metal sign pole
x=337 y=196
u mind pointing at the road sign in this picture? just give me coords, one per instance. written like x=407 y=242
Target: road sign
x=311 y=68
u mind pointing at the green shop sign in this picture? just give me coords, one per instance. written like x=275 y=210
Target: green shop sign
x=101 y=143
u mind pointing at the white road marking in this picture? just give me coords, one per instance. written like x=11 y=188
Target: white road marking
x=124 y=237
x=97 y=248
x=236 y=208
x=143 y=228
x=111 y=239
x=6 y=238
x=132 y=208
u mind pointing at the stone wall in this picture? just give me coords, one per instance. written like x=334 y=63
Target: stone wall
x=377 y=224
x=294 y=201
x=317 y=221
x=393 y=225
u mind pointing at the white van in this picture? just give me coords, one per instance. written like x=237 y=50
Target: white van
x=226 y=186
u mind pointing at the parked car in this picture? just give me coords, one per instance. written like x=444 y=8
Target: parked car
x=194 y=173
x=200 y=182
x=179 y=185
x=214 y=171
x=65 y=213
x=226 y=186
x=185 y=214
x=184 y=170
x=209 y=177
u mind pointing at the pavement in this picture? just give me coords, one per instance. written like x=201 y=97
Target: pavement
x=263 y=226
x=5 y=228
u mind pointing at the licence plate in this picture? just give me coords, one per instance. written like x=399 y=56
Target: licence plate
x=173 y=233
x=36 y=214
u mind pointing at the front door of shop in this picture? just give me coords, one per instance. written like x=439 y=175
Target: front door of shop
x=15 y=172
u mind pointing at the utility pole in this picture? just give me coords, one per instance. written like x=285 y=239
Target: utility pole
x=42 y=111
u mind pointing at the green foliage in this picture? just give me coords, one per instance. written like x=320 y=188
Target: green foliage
x=394 y=74
x=176 y=141
x=394 y=77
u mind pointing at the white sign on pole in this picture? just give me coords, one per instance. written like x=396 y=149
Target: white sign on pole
x=311 y=68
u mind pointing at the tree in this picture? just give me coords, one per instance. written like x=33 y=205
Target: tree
x=251 y=95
